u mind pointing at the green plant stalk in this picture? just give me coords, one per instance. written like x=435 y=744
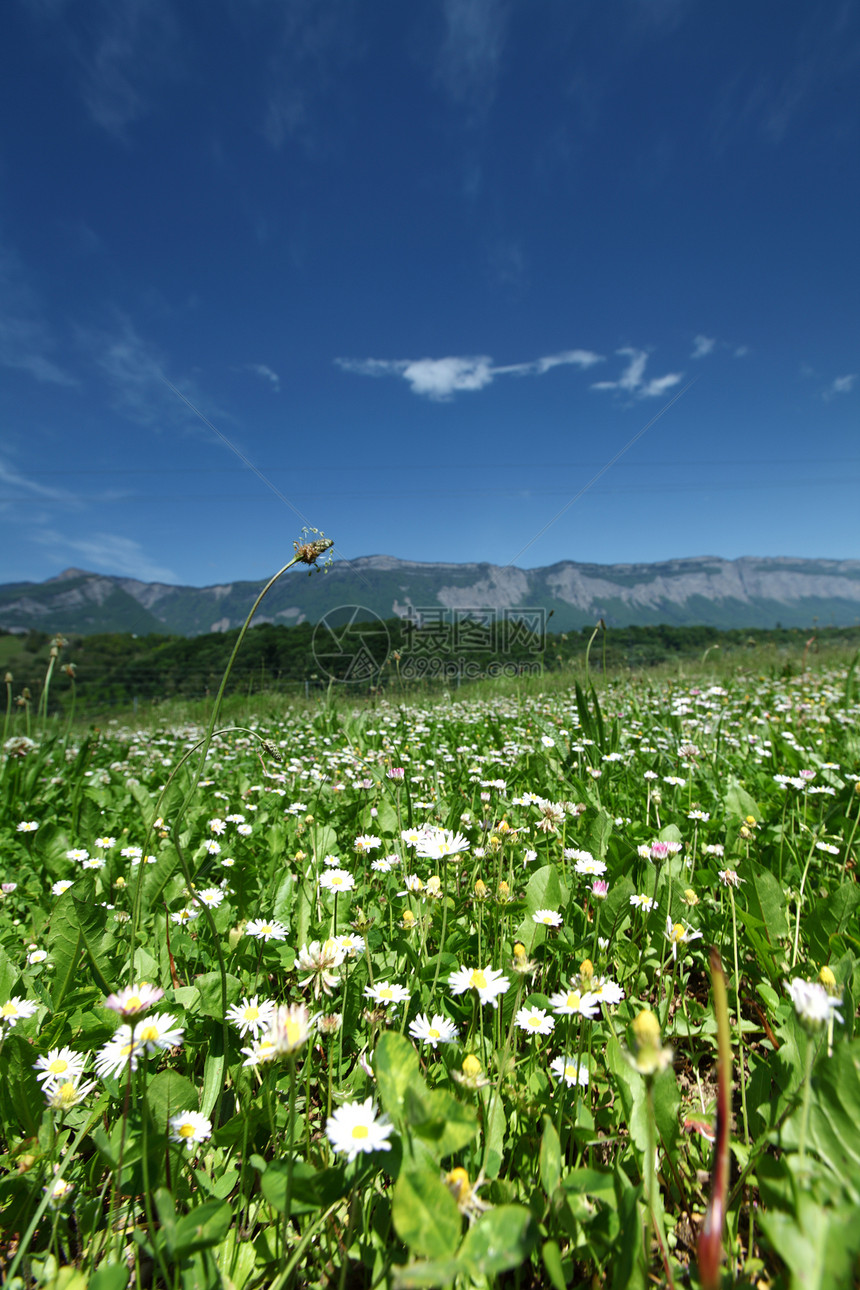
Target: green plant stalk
x=441 y=934
x=807 y=1090
x=711 y=1236
x=8 y=715
x=24 y=1245
x=799 y=904
x=291 y=1137
x=741 y=1070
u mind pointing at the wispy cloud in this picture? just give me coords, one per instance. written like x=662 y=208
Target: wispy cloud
x=131 y=52
x=774 y=101
x=260 y=369
x=136 y=371
x=12 y=478
x=470 y=58
x=311 y=45
x=841 y=385
x=442 y=378
x=702 y=346
x=27 y=343
x=632 y=379
x=105 y=553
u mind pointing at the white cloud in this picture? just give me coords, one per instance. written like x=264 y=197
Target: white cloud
x=441 y=378
x=631 y=380
x=13 y=478
x=841 y=385
x=702 y=346
x=106 y=553
x=26 y=341
x=470 y=58
x=312 y=44
x=132 y=52
x=260 y=369
x=741 y=351
x=653 y=389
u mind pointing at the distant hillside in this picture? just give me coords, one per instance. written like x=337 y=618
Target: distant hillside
x=747 y=593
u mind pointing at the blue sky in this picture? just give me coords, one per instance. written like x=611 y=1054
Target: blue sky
x=429 y=268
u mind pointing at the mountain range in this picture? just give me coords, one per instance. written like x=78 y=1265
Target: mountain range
x=747 y=592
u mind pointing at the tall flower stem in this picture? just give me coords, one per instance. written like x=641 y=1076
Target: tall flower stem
x=807 y=1089
x=741 y=1070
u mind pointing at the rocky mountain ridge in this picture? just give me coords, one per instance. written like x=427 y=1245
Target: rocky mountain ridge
x=747 y=592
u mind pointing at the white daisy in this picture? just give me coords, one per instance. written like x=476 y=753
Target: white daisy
x=59 y=887
x=15 y=1010
x=189 y=1127
x=386 y=994
x=157 y=1033
x=355 y=1128
x=574 y=1003
x=547 y=917
x=337 y=880
x=535 y=1021
x=134 y=999
x=251 y=1016
x=677 y=934
x=58 y=1066
x=438 y=1031
x=568 y=1069
x=266 y=929
x=813 y=1005
x=488 y=982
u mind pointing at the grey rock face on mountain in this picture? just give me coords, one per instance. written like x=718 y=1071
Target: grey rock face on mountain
x=748 y=592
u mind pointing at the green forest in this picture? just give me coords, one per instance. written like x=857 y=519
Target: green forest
x=115 y=670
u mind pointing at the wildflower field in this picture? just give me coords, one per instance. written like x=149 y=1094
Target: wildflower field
x=537 y=990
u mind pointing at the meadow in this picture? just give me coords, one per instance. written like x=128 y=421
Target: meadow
x=534 y=986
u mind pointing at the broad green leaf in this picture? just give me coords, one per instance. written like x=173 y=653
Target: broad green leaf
x=213 y=1070
x=667 y=1105
x=204 y=1227
x=766 y=900
x=819 y=1246
x=311 y=1189
x=502 y=1238
x=110 y=1276
x=209 y=987
x=427 y=1275
x=551 y=1255
x=168 y=1093
x=449 y=1125
x=550 y=1157
x=739 y=804
x=425 y=1213
x=631 y=1087
x=395 y=1064
x=495 y=1132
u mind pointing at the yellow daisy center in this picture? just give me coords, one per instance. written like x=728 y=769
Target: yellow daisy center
x=186 y=1130
x=478 y=980
x=293 y=1032
x=8 y=1010
x=385 y=994
x=433 y=1033
x=570 y=1072
x=534 y=1022
x=251 y=1014
x=58 y=1066
x=132 y=1004
x=678 y=932
x=359 y=1131
x=149 y=1034
x=573 y=999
